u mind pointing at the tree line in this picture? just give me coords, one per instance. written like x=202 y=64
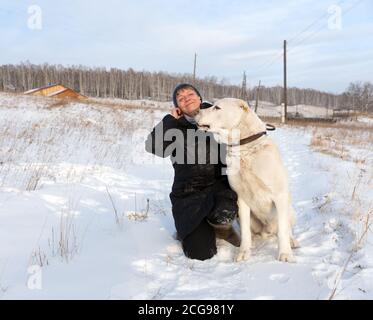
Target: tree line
x=133 y=85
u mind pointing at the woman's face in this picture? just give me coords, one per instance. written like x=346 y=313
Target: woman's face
x=188 y=101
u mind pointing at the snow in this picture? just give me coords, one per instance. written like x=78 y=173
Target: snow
x=268 y=109
x=80 y=170
x=31 y=91
x=366 y=120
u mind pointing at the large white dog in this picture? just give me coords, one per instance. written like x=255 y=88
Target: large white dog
x=255 y=172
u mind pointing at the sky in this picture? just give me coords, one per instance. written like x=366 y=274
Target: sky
x=330 y=43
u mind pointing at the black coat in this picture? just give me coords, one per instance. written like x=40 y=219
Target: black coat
x=199 y=190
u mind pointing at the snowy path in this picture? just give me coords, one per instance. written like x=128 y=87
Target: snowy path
x=141 y=260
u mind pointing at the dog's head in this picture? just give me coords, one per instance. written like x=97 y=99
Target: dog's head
x=229 y=120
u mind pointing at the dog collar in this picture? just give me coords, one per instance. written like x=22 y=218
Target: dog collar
x=249 y=139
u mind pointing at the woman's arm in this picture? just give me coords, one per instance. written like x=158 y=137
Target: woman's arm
x=155 y=142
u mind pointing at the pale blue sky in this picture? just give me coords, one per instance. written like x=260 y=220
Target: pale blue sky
x=229 y=37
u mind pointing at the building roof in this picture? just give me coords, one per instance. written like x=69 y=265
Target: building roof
x=41 y=88
x=55 y=92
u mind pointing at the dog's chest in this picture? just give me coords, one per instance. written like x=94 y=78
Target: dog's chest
x=250 y=188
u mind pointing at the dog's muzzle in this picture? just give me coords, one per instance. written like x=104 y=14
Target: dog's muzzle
x=204 y=127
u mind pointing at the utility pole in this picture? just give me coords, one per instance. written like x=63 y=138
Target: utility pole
x=257 y=97
x=243 y=88
x=194 y=69
x=285 y=86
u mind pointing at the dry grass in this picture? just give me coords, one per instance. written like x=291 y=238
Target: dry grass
x=345 y=125
x=52 y=131
x=36 y=173
x=366 y=223
x=349 y=122
x=359 y=210
x=63 y=240
x=38 y=257
x=352 y=142
x=66 y=240
x=58 y=103
x=329 y=146
x=118 y=221
x=124 y=105
x=340 y=139
x=139 y=215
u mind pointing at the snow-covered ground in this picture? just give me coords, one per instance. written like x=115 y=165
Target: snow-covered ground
x=268 y=109
x=85 y=214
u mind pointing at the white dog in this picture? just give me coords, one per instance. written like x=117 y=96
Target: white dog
x=255 y=172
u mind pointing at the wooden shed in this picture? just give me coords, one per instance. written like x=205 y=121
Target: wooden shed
x=56 y=91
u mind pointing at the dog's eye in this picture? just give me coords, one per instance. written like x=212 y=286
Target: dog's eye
x=217 y=108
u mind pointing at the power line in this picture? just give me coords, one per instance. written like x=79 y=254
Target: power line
x=279 y=55
x=312 y=24
x=322 y=26
x=269 y=63
x=280 y=52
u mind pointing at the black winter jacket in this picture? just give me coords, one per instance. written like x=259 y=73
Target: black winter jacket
x=199 y=189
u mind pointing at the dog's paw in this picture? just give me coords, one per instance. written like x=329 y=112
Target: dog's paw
x=286 y=257
x=243 y=255
x=294 y=243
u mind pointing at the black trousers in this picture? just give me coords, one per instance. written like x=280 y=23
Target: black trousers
x=201 y=243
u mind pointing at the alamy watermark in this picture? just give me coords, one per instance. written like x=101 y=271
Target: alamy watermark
x=335 y=19
x=35 y=17
x=192 y=147
x=34 y=281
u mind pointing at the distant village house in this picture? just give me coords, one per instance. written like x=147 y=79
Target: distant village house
x=56 y=91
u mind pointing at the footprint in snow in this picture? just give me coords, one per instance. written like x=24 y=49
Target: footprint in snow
x=279 y=277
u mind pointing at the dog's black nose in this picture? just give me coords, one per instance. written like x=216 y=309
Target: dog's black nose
x=205 y=105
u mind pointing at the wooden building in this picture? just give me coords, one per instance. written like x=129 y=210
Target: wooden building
x=56 y=91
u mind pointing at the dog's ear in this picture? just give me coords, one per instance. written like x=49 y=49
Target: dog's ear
x=244 y=106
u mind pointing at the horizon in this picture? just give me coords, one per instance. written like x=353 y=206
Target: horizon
x=170 y=74
x=329 y=44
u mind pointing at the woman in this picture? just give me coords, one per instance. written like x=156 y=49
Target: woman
x=203 y=204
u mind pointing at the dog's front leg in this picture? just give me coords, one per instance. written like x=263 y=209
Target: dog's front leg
x=244 y=216
x=282 y=208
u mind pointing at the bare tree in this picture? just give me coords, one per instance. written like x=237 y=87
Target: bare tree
x=359 y=96
x=131 y=84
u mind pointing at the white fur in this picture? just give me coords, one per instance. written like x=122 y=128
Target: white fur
x=256 y=173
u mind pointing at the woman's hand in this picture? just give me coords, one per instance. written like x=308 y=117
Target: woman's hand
x=176 y=113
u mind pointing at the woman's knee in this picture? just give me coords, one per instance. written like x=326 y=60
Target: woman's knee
x=224 y=212
x=201 y=243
